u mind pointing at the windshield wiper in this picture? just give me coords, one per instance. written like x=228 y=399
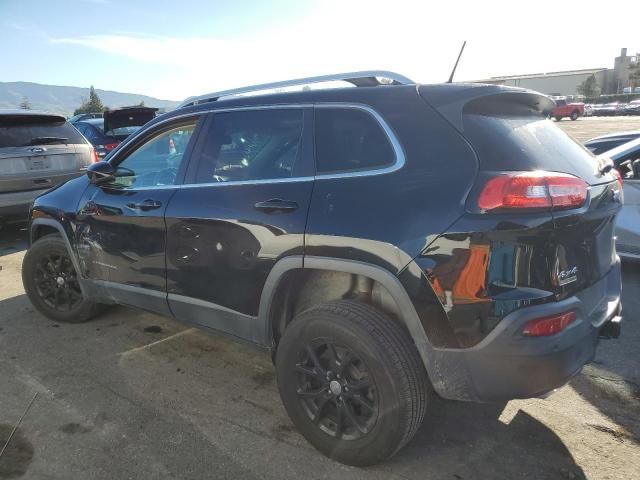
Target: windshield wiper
x=46 y=140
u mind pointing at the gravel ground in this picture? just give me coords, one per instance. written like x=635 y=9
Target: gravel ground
x=134 y=395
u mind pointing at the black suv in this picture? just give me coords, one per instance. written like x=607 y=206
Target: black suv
x=383 y=242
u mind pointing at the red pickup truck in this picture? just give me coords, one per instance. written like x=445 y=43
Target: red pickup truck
x=564 y=109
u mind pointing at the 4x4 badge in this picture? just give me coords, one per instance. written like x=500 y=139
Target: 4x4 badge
x=567 y=276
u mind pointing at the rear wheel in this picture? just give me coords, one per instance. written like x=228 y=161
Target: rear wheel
x=352 y=381
x=51 y=282
x=574 y=115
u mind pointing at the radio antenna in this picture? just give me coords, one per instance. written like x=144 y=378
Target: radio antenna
x=457 y=60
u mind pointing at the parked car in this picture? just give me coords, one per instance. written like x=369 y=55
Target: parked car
x=632 y=108
x=563 y=109
x=611 y=109
x=588 y=110
x=604 y=143
x=38 y=151
x=626 y=158
x=599 y=110
x=84 y=116
x=383 y=242
x=93 y=130
x=106 y=133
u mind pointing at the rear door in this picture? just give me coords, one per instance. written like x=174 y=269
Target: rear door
x=38 y=152
x=243 y=206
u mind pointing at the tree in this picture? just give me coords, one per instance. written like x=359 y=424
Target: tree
x=93 y=104
x=25 y=104
x=589 y=88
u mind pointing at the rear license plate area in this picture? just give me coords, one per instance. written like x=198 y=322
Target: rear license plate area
x=39 y=163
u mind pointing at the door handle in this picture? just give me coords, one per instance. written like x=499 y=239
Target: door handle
x=276 y=205
x=145 y=205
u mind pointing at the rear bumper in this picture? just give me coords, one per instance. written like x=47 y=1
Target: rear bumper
x=15 y=205
x=508 y=365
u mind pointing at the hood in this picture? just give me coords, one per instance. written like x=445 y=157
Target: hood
x=128 y=117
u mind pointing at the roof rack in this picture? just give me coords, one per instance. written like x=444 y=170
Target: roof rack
x=367 y=78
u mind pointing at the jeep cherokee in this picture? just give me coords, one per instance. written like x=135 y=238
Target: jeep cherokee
x=385 y=242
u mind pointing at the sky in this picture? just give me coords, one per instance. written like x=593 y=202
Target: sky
x=173 y=49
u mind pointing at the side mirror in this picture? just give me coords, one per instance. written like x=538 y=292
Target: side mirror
x=100 y=172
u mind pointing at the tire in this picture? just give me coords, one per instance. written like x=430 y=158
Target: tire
x=44 y=263
x=380 y=392
x=574 y=115
x=558 y=118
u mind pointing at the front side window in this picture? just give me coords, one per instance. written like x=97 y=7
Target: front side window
x=156 y=161
x=252 y=145
x=350 y=140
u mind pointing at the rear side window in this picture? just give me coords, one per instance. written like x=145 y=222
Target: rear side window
x=350 y=140
x=25 y=130
x=505 y=142
x=252 y=145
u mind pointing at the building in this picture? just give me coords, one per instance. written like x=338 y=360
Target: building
x=610 y=80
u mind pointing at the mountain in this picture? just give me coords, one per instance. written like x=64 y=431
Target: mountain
x=64 y=100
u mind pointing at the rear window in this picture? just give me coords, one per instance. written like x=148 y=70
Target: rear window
x=525 y=143
x=349 y=140
x=22 y=131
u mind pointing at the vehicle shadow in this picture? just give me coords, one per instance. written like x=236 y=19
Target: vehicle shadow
x=471 y=442
x=13 y=238
x=611 y=383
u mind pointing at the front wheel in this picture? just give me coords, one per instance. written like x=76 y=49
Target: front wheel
x=51 y=282
x=352 y=381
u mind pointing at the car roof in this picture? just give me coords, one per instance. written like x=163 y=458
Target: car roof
x=29 y=113
x=622 y=150
x=92 y=121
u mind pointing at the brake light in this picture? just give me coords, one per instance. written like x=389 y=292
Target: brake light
x=533 y=190
x=618 y=176
x=110 y=146
x=94 y=156
x=546 y=326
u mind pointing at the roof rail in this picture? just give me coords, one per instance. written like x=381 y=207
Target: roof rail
x=367 y=78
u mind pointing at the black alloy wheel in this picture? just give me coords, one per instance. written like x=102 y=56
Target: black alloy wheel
x=57 y=283
x=51 y=282
x=336 y=391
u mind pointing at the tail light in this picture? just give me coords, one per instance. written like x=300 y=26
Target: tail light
x=546 y=326
x=618 y=176
x=533 y=190
x=110 y=146
x=94 y=156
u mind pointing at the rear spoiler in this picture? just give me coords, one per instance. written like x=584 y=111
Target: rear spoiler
x=453 y=100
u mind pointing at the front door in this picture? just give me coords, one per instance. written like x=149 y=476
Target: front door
x=243 y=206
x=121 y=233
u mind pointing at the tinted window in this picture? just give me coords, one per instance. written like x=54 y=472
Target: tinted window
x=156 y=161
x=252 y=145
x=25 y=130
x=505 y=143
x=349 y=140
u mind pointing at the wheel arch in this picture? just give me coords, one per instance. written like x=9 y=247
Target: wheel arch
x=406 y=312
x=40 y=227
